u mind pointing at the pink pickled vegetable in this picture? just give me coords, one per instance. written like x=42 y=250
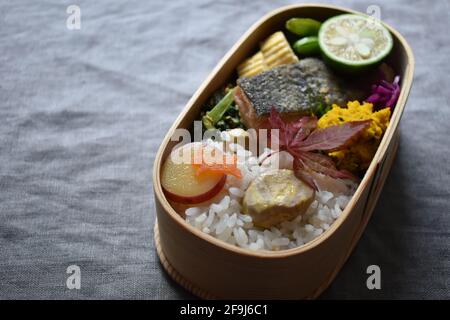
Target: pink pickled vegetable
x=385 y=94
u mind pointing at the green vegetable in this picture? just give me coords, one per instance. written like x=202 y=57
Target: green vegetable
x=322 y=109
x=212 y=117
x=307 y=46
x=303 y=27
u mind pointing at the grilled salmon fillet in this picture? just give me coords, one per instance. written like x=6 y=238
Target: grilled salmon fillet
x=295 y=90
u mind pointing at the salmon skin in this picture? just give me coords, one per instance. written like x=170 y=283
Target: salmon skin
x=295 y=90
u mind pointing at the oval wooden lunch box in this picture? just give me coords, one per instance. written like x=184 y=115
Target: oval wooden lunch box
x=212 y=269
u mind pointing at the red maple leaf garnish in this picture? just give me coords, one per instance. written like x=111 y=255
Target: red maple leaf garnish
x=302 y=139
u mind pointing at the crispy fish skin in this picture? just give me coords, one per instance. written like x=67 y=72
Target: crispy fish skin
x=295 y=89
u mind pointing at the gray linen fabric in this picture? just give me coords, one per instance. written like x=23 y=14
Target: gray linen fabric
x=84 y=111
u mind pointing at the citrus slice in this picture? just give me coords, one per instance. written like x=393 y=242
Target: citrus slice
x=353 y=43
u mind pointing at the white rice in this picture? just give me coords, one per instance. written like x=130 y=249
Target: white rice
x=225 y=220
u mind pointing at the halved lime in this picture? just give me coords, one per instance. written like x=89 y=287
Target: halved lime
x=354 y=43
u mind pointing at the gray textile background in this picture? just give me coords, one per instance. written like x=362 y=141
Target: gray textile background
x=83 y=113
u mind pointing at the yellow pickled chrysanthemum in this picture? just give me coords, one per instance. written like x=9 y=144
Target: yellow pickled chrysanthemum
x=358 y=155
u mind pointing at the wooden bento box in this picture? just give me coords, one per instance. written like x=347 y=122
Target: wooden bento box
x=210 y=268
